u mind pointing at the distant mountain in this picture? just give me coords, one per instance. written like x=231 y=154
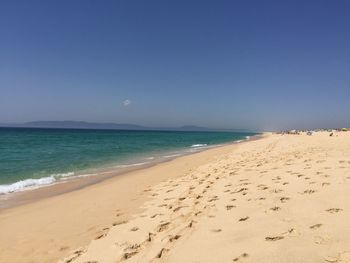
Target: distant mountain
x=106 y=126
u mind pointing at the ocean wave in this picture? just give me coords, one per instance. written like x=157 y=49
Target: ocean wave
x=171 y=155
x=32 y=183
x=63 y=175
x=130 y=165
x=199 y=145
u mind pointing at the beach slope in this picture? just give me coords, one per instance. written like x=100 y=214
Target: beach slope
x=278 y=199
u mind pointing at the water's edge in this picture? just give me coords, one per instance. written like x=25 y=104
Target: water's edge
x=64 y=184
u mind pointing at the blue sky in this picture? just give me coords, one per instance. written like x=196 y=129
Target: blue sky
x=228 y=64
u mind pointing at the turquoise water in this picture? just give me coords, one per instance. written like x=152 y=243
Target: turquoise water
x=34 y=157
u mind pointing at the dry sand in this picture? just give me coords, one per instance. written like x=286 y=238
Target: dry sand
x=278 y=199
x=49 y=229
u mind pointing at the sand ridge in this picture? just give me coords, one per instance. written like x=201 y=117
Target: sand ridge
x=279 y=199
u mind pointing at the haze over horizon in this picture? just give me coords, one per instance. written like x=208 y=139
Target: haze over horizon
x=257 y=65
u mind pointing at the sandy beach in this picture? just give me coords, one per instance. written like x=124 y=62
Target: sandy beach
x=175 y=131
x=282 y=198
x=63 y=217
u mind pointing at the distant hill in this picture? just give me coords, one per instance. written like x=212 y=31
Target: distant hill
x=107 y=126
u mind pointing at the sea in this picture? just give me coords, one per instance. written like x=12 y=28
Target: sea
x=33 y=157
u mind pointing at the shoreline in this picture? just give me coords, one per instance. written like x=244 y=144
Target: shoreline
x=57 y=224
x=81 y=181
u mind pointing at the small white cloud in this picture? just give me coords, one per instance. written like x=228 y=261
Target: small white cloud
x=126 y=103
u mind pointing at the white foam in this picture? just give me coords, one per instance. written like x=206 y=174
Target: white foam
x=198 y=145
x=129 y=165
x=31 y=183
x=63 y=175
x=25 y=184
x=171 y=155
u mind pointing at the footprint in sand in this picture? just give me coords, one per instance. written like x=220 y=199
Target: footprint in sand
x=275 y=238
x=100 y=236
x=229 y=207
x=162 y=252
x=276 y=208
x=119 y=223
x=214 y=198
x=334 y=210
x=284 y=199
x=315 y=226
x=163 y=226
x=128 y=255
x=263 y=187
x=244 y=255
x=240 y=190
x=243 y=219
x=276 y=191
x=309 y=191
x=191 y=223
x=178 y=208
x=173 y=238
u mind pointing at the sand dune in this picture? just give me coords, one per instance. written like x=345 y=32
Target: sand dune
x=278 y=199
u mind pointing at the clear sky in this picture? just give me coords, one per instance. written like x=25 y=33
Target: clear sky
x=228 y=64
